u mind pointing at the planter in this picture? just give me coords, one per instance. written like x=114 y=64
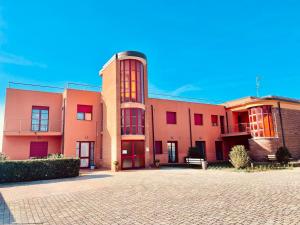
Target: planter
x=204 y=165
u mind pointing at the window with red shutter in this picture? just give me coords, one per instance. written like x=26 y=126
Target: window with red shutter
x=198 y=119
x=214 y=120
x=84 y=112
x=171 y=117
x=38 y=149
x=158 y=147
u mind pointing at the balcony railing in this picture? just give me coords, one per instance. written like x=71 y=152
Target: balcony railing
x=237 y=129
x=24 y=126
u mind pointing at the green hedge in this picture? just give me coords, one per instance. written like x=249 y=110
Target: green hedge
x=38 y=169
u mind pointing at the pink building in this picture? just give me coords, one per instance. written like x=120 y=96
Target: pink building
x=123 y=124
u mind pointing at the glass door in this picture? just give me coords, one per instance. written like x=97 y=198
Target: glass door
x=84 y=151
x=172 y=151
x=133 y=154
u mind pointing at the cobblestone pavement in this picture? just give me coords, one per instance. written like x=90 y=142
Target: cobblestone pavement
x=165 y=196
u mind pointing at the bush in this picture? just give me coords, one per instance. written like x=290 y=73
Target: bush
x=38 y=169
x=283 y=155
x=55 y=156
x=194 y=152
x=239 y=157
x=3 y=157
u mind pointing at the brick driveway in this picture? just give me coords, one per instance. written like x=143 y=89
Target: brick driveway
x=166 y=196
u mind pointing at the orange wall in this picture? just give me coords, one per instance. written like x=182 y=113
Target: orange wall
x=180 y=132
x=81 y=130
x=18 y=147
x=19 y=104
x=18 y=108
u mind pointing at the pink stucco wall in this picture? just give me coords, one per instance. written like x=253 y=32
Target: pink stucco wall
x=180 y=131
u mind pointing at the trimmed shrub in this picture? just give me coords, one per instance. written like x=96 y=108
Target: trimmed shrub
x=283 y=155
x=194 y=152
x=239 y=157
x=38 y=169
x=55 y=156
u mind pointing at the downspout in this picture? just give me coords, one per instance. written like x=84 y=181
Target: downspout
x=190 y=124
x=281 y=124
x=63 y=127
x=153 y=138
x=227 y=126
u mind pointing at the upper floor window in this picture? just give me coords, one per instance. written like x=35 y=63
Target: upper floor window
x=84 y=112
x=132 y=121
x=214 y=120
x=198 y=119
x=132 y=80
x=40 y=118
x=171 y=118
x=261 y=121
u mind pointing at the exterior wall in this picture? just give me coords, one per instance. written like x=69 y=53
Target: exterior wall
x=180 y=132
x=260 y=148
x=291 y=127
x=111 y=115
x=18 y=109
x=81 y=130
x=18 y=147
x=17 y=123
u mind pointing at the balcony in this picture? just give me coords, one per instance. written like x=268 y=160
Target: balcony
x=23 y=127
x=238 y=130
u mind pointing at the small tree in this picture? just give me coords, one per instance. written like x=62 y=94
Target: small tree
x=3 y=157
x=239 y=157
x=283 y=155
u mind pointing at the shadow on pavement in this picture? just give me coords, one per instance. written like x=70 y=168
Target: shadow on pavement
x=71 y=179
x=6 y=217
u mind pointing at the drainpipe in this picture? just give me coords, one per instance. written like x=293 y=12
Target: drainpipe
x=153 y=139
x=190 y=124
x=227 y=126
x=63 y=127
x=281 y=124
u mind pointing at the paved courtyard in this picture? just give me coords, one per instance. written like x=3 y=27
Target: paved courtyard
x=165 y=196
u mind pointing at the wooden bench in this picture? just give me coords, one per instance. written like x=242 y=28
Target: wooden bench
x=271 y=158
x=193 y=161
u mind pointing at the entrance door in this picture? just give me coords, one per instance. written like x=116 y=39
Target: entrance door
x=133 y=154
x=219 y=150
x=85 y=152
x=172 y=151
x=201 y=146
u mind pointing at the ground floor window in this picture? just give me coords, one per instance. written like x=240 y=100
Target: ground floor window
x=172 y=151
x=158 y=147
x=38 y=149
x=85 y=152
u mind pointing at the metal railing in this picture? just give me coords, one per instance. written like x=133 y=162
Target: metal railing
x=25 y=125
x=239 y=128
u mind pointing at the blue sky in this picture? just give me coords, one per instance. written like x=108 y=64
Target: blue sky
x=211 y=50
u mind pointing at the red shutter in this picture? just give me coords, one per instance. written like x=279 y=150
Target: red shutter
x=214 y=119
x=40 y=107
x=84 y=108
x=198 y=118
x=158 y=147
x=38 y=149
x=171 y=117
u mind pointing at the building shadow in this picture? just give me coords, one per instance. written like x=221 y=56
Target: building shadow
x=89 y=176
x=6 y=216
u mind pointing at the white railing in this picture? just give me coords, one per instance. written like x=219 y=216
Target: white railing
x=25 y=125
